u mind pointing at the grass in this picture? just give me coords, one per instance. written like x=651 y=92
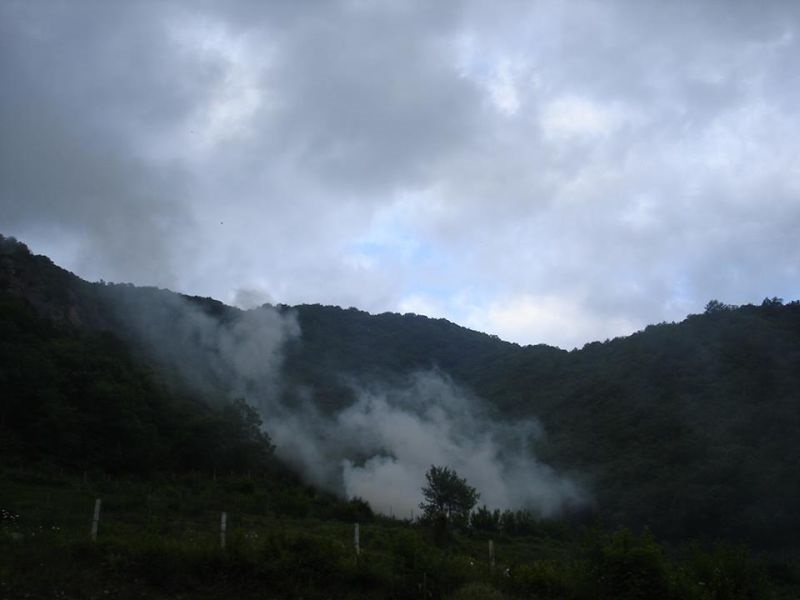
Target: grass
x=160 y=538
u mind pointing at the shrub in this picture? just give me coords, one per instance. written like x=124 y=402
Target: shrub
x=728 y=573
x=541 y=579
x=626 y=567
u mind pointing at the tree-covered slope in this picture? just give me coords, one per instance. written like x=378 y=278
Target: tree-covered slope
x=690 y=428
x=76 y=396
x=340 y=346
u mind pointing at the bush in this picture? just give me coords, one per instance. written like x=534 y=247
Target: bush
x=541 y=579
x=309 y=561
x=728 y=573
x=626 y=567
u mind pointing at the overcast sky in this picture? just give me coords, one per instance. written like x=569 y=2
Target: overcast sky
x=548 y=171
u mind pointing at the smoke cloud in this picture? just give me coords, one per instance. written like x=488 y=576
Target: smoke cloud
x=211 y=346
x=432 y=421
x=378 y=446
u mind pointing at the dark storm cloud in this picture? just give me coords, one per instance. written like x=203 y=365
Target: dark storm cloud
x=373 y=110
x=550 y=171
x=83 y=87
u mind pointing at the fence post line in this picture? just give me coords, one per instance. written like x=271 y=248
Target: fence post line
x=96 y=518
x=357 y=540
x=223 y=526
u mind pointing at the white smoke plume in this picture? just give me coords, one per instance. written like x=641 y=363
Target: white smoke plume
x=212 y=346
x=379 y=446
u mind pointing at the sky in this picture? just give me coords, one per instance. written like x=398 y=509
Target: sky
x=547 y=171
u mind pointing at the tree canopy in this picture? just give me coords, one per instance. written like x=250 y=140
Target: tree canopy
x=447 y=496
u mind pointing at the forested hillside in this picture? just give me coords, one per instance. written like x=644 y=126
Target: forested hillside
x=78 y=398
x=689 y=428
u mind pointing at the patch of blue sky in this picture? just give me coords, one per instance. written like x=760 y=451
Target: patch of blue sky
x=407 y=250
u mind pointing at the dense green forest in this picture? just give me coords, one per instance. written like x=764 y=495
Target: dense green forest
x=686 y=430
x=76 y=396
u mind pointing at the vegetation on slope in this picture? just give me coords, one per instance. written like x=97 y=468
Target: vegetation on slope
x=160 y=538
x=688 y=428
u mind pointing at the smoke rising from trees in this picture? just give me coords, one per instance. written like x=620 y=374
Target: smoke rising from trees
x=379 y=445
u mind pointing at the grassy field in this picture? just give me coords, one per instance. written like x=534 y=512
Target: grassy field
x=161 y=539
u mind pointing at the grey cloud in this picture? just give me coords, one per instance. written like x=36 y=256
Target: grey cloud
x=709 y=156
x=360 y=97
x=372 y=112
x=612 y=154
x=79 y=93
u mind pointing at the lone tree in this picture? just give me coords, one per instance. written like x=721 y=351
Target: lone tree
x=448 y=497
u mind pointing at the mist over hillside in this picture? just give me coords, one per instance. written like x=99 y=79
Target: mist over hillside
x=373 y=438
x=688 y=428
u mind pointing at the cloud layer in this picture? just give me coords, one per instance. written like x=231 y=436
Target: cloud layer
x=551 y=172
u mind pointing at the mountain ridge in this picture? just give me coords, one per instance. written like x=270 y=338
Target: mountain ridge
x=687 y=427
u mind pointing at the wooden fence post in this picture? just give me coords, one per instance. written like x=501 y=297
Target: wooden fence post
x=357 y=540
x=223 y=526
x=96 y=518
